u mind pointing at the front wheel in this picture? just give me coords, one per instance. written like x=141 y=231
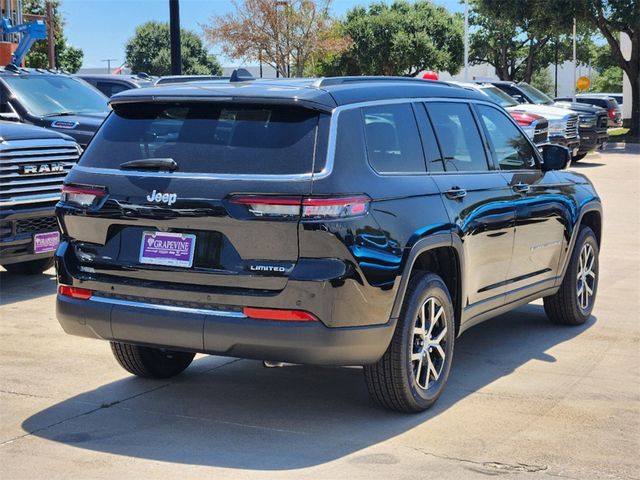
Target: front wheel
x=150 y=362
x=578 y=157
x=412 y=373
x=573 y=303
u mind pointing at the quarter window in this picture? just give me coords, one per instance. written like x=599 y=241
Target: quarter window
x=458 y=135
x=393 y=141
x=511 y=148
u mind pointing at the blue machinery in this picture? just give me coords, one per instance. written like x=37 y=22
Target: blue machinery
x=30 y=31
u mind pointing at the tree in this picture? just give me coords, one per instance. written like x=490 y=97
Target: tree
x=285 y=34
x=399 y=39
x=68 y=58
x=518 y=37
x=612 y=17
x=542 y=81
x=608 y=80
x=149 y=51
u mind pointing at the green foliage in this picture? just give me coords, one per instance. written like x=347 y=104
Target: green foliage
x=519 y=37
x=398 y=39
x=609 y=80
x=149 y=51
x=543 y=81
x=68 y=58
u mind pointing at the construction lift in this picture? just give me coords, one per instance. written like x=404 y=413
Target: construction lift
x=31 y=31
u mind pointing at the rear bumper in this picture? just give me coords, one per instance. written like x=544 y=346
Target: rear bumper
x=227 y=333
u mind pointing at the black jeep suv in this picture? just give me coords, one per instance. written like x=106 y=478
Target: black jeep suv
x=341 y=221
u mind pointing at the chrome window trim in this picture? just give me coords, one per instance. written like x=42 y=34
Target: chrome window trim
x=166 y=308
x=331 y=145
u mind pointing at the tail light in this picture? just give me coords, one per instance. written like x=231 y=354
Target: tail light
x=280 y=315
x=612 y=113
x=310 y=208
x=524 y=119
x=82 y=196
x=74 y=292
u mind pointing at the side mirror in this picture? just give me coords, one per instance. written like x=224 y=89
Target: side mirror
x=555 y=157
x=9 y=116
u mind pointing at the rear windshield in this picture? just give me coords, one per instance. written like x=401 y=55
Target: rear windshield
x=208 y=138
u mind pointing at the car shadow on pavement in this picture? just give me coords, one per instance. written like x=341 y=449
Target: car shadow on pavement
x=241 y=415
x=17 y=288
x=586 y=164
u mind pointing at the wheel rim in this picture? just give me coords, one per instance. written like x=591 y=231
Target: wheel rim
x=585 y=286
x=428 y=352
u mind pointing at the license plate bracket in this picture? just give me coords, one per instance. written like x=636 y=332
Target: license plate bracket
x=167 y=248
x=46 y=242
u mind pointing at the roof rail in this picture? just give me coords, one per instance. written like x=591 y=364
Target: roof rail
x=241 y=75
x=10 y=67
x=328 y=81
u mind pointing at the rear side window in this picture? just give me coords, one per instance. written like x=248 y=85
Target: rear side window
x=111 y=88
x=458 y=135
x=392 y=138
x=208 y=138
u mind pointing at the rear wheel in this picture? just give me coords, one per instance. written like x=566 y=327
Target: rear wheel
x=413 y=371
x=32 y=267
x=150 y=362
x=573 y=303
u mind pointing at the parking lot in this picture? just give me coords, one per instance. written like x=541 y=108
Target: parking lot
x=526 y=399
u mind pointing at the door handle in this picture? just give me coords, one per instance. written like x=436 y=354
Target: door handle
x=521 y=187
x=456 y=193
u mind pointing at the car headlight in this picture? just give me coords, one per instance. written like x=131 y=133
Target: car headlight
x=587 y=121
x=556 y=127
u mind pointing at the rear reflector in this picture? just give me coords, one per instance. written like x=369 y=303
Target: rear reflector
x=276 y=314
x=612 y=113
x=81 y=196
x=74 y=292
x=311 y=208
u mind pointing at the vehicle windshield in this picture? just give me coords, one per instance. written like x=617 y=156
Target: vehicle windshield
x=498 y=96
x=536 y=95
x=46 y=95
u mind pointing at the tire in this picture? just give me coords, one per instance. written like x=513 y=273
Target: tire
x=32 y=267
x=572 y=304
x=392 y=381
x=579 y=157
x=150 y=362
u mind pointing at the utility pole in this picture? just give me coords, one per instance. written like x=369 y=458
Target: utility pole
x=174 y=28
x=575 y=63
x=556 y=80
x=109 y=60
x=51 y=45
x=466 y=40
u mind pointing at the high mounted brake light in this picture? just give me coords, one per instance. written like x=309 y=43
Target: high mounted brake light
x=310 y=208
x=81 y=196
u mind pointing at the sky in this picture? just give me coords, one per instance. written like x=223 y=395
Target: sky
x=102 y=27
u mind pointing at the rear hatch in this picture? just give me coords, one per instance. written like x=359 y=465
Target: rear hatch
x=180 y=193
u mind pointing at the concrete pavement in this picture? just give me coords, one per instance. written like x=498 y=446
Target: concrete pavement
x=526 y=399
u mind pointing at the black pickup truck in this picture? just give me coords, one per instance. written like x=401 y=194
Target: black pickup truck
x=33 y=163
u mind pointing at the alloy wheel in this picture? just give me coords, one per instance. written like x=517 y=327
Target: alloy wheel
x=428 y=352
x=586 y=280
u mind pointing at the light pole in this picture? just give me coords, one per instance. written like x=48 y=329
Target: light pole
x=109 y=60
x=174 y=29
x=466 y=40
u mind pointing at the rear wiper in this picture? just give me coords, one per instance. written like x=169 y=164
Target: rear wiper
x=168 y=164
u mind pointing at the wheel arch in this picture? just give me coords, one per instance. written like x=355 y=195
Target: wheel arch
x=440 y=254
x=591 y=216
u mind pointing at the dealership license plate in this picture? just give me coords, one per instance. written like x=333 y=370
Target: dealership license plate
x=170 y=249
x=46 y=242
